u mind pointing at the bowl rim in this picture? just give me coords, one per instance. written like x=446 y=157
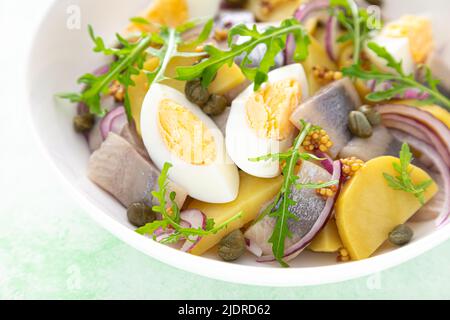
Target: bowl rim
x=229 y=272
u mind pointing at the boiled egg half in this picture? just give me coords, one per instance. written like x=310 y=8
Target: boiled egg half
x=176 y=131
x=259 y=124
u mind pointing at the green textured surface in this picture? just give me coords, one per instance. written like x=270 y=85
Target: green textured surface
x=50 y=248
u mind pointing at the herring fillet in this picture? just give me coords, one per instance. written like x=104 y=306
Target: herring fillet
x=329 y=109
x=381 y=143
x=308 y=208
x=121 y=171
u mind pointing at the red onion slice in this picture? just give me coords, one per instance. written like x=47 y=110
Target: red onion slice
x=417 y=129
x=331 y=38
x=302 y=14
x=442 y=167
x=307 y=9
x=327 y=164
x=197 y=220
x=424 y=121
x=253 y=248
x=320 y=223
x=114 y=121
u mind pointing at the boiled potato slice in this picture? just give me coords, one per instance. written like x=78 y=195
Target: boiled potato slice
x=227 y=78
x=368 y=209
x=317 y=57
x=281 y=9
x=254 y=194
x=327 y=240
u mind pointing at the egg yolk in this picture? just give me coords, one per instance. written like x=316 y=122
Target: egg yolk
x=419 y=32
x=185 y=135
x=269 y=109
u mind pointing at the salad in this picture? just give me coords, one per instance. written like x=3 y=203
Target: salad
x=271 y=127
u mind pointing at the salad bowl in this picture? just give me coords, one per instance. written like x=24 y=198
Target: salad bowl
x=62 y=50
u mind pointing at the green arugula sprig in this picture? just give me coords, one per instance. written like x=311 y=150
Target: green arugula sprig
x=403 y=181
x=274 y=38
x=355 y=20
x=279 y=209
x=172 y=220
x=400 y=81
x=130 y=60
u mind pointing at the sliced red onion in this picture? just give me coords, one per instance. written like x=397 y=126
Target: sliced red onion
x=414 y=94
x=331 y=38
x=320 y=223
x=307 y=9
x=197 y=220
x=441 y=166
x=429 y=126
x=327 y=163
x=302 y=14
x=416 y=127
x=114 y=121
x=164 y=235
x=253 y=248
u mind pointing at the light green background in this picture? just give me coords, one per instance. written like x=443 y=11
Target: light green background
x=49 y=247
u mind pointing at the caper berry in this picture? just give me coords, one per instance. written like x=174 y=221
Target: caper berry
x=196 y=93
x=84 y=123
x=371 y=114
x=401 y=235
x=216 y=105
x=236 y=3
x=359 y=125
x=232 y=247
x=139 y=214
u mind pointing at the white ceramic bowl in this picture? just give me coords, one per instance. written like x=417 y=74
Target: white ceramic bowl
x=60 y=55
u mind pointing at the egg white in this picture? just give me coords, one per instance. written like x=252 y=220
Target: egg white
x=217 y=182
x=242 y=140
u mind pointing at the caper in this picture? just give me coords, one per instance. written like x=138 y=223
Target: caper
x=196 y=93
x=236 y=3
x=216 y=105
x=371 y=114
x=232 y=247
x=401 y=235
x=375 y=2
x=84 y=123
x=139 y=214
x=359 y=125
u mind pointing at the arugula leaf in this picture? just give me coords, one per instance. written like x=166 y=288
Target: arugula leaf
x=403 y=181
x=384 y=54
x=130 y=60
x=172 y=220
x=355 y=21
x=274 y=38
x=279 y=208
x=400 y=81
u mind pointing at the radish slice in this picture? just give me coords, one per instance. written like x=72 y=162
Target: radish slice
x=441 y=166
x=320 y=223
x=196 y=220
x=114 y=121
x=331 y=38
